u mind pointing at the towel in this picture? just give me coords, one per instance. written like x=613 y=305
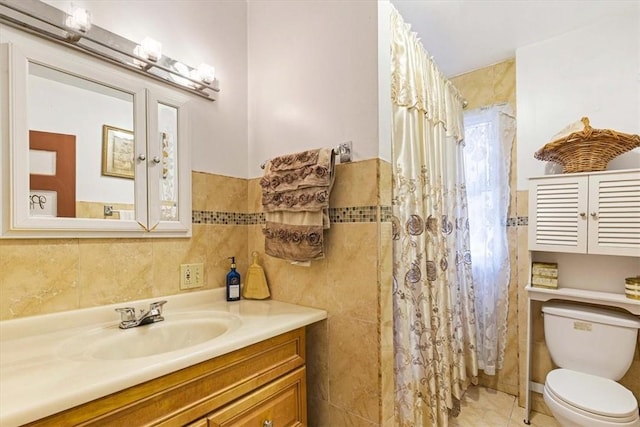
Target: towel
x=295 y=199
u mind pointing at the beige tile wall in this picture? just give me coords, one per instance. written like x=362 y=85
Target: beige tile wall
x=349 y=354
x=350 y=366
x=48 y=275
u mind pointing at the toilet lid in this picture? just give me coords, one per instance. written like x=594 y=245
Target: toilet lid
x=593 y=394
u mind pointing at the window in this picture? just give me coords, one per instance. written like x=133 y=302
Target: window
x=489 y=134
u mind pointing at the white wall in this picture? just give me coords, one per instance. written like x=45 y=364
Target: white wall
x=593 y=72
x=384 y=80
x=312 y=77
x=321 y=89
x=194 y=32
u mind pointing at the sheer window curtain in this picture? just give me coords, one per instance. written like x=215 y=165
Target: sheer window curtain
x=489 y=135
x=434 y=318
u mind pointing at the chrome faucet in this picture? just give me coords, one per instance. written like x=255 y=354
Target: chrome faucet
x=128 y=315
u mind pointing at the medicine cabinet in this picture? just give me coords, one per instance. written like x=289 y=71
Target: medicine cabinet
x=89 y=150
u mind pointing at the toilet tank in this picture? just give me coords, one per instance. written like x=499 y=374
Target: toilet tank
x=592 y=340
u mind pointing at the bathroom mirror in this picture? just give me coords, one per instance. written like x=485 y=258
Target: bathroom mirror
x=81 y=138
x=91 y=150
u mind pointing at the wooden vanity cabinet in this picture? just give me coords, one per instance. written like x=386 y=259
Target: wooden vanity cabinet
x=253 y=386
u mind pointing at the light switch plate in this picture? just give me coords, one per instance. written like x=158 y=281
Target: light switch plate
x=191 y=276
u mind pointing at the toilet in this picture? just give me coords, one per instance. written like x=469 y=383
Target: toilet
x=593 y=348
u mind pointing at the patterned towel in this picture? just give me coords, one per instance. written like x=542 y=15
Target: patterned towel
x=295 y=199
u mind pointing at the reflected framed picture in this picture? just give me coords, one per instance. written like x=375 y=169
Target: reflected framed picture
x=117 y=152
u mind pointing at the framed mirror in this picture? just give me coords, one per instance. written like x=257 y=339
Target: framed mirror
x=92 y=150
x=86 y=128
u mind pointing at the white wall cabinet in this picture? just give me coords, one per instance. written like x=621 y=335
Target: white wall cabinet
x=589 y=213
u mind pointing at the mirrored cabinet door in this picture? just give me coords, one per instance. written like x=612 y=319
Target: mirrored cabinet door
x=81 y=147
x=92 y=151
x=169 y=178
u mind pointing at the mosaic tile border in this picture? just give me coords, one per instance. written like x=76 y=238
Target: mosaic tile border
x=386 y=212
x=517 y=221
x=355 y=214
x=226 y=218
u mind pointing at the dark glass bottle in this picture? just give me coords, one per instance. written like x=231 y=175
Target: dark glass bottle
x=233 y=282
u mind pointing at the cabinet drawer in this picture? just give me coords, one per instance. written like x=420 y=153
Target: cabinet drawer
x=279 y=404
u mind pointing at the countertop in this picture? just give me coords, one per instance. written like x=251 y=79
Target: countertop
x=37 y=379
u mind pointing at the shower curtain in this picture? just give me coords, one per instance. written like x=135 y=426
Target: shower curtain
x=434 y=318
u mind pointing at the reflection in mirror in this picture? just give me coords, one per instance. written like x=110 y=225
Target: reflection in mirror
x=168 y=129
x=72 y=155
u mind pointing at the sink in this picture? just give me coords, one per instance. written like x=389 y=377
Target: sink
x=178 y=331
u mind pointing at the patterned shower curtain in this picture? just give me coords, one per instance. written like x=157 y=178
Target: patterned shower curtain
x=434 y=317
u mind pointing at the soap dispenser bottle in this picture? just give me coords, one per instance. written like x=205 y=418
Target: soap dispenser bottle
x=233 y=282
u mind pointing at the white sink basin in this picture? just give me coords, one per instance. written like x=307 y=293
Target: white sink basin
x=178 y=331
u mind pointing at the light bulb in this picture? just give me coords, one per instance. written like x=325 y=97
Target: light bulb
x=79 y=20
x=150 y=49
x=206 y=73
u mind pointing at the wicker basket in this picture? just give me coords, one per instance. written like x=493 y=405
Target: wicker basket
x=587 y=150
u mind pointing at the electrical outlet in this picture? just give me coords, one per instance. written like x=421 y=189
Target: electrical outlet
x=191 y=276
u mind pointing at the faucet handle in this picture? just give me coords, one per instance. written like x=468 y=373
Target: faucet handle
x=127 y=313
x=157 y=306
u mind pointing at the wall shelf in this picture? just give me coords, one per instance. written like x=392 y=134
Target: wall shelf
x=581 y=295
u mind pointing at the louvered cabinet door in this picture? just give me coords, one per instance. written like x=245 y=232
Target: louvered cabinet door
x=558 y=214
x=614 y=214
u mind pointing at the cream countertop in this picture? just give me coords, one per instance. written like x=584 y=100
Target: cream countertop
x=37 y=380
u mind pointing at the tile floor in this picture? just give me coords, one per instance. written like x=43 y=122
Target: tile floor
x=483 y=407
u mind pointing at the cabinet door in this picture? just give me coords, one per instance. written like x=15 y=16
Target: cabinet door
x=281 y=403
x=558 y=214
x=169 y=165
x=614 y=214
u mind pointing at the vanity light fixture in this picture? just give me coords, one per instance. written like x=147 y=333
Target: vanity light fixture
x=76 y=31
x=184 y=74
